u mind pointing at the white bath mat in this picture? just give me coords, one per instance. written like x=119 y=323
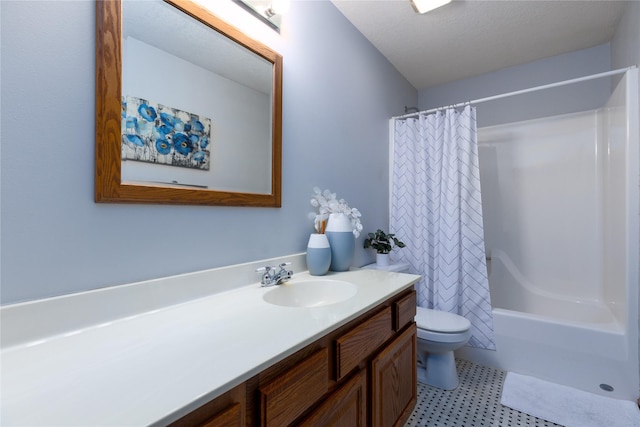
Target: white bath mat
x=565 y=405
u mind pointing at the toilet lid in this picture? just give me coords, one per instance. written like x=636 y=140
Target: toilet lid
x=440 y=321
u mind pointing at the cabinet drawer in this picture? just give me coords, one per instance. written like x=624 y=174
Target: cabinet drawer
x=285 y=398
x=360 y=342
x=226 y=410
x=405 y=311
x=345 y=407
x=231 y=417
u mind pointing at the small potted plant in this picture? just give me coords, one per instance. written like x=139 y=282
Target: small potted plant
x=383 y=243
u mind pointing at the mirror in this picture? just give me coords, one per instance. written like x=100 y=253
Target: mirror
x=188 y=108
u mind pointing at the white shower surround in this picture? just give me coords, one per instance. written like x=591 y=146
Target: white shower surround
x=565 y=310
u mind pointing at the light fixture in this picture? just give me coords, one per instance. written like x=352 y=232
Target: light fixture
x=268 y=11
x=424 y=6
x=278 y=7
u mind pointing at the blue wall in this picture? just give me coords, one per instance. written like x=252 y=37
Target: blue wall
x=576 y=97
x=339 y=93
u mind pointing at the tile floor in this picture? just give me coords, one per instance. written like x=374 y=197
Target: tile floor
x=476 y=402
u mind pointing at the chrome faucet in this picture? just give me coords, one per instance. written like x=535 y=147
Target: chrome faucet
x=270 y=277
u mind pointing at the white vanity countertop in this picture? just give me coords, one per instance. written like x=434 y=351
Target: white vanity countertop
x=155 y=366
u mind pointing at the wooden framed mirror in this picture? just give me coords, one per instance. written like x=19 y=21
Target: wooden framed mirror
x=174 y=124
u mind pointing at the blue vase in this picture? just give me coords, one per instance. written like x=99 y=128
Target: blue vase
x=318 y=255
x=342 y=241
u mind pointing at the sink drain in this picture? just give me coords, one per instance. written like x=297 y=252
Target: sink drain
x=606 y=387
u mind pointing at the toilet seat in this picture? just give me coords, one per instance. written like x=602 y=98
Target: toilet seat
x=441 y=322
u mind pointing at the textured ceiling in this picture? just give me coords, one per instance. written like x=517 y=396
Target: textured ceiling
x=160 y=25
x=470 y=37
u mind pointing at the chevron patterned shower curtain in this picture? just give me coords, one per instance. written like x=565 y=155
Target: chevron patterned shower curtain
x=436 y=210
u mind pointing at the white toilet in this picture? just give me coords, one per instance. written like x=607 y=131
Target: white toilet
x=439 y=334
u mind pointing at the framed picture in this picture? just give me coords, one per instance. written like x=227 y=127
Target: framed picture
x=159 y=134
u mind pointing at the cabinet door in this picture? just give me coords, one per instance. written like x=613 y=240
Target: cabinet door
x=345 y=407
x=394 y=381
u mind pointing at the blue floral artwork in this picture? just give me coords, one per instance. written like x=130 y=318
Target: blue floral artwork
x=156 y=133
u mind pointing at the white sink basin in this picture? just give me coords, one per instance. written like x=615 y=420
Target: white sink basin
x=310 y=293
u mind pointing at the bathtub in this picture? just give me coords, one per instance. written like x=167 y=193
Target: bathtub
x=576 y=343
x=511 y=292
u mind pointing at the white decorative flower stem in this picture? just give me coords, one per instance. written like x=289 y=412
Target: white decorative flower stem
x=327 y=203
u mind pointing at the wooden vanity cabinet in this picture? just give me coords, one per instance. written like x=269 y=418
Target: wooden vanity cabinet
x=361 y=374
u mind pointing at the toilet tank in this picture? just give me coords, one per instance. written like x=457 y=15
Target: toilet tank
x=401 y=267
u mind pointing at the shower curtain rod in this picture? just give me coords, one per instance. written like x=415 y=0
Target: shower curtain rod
x=520 y=92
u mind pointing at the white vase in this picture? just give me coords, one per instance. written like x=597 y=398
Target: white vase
x=342 y=241
x=382 y=260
